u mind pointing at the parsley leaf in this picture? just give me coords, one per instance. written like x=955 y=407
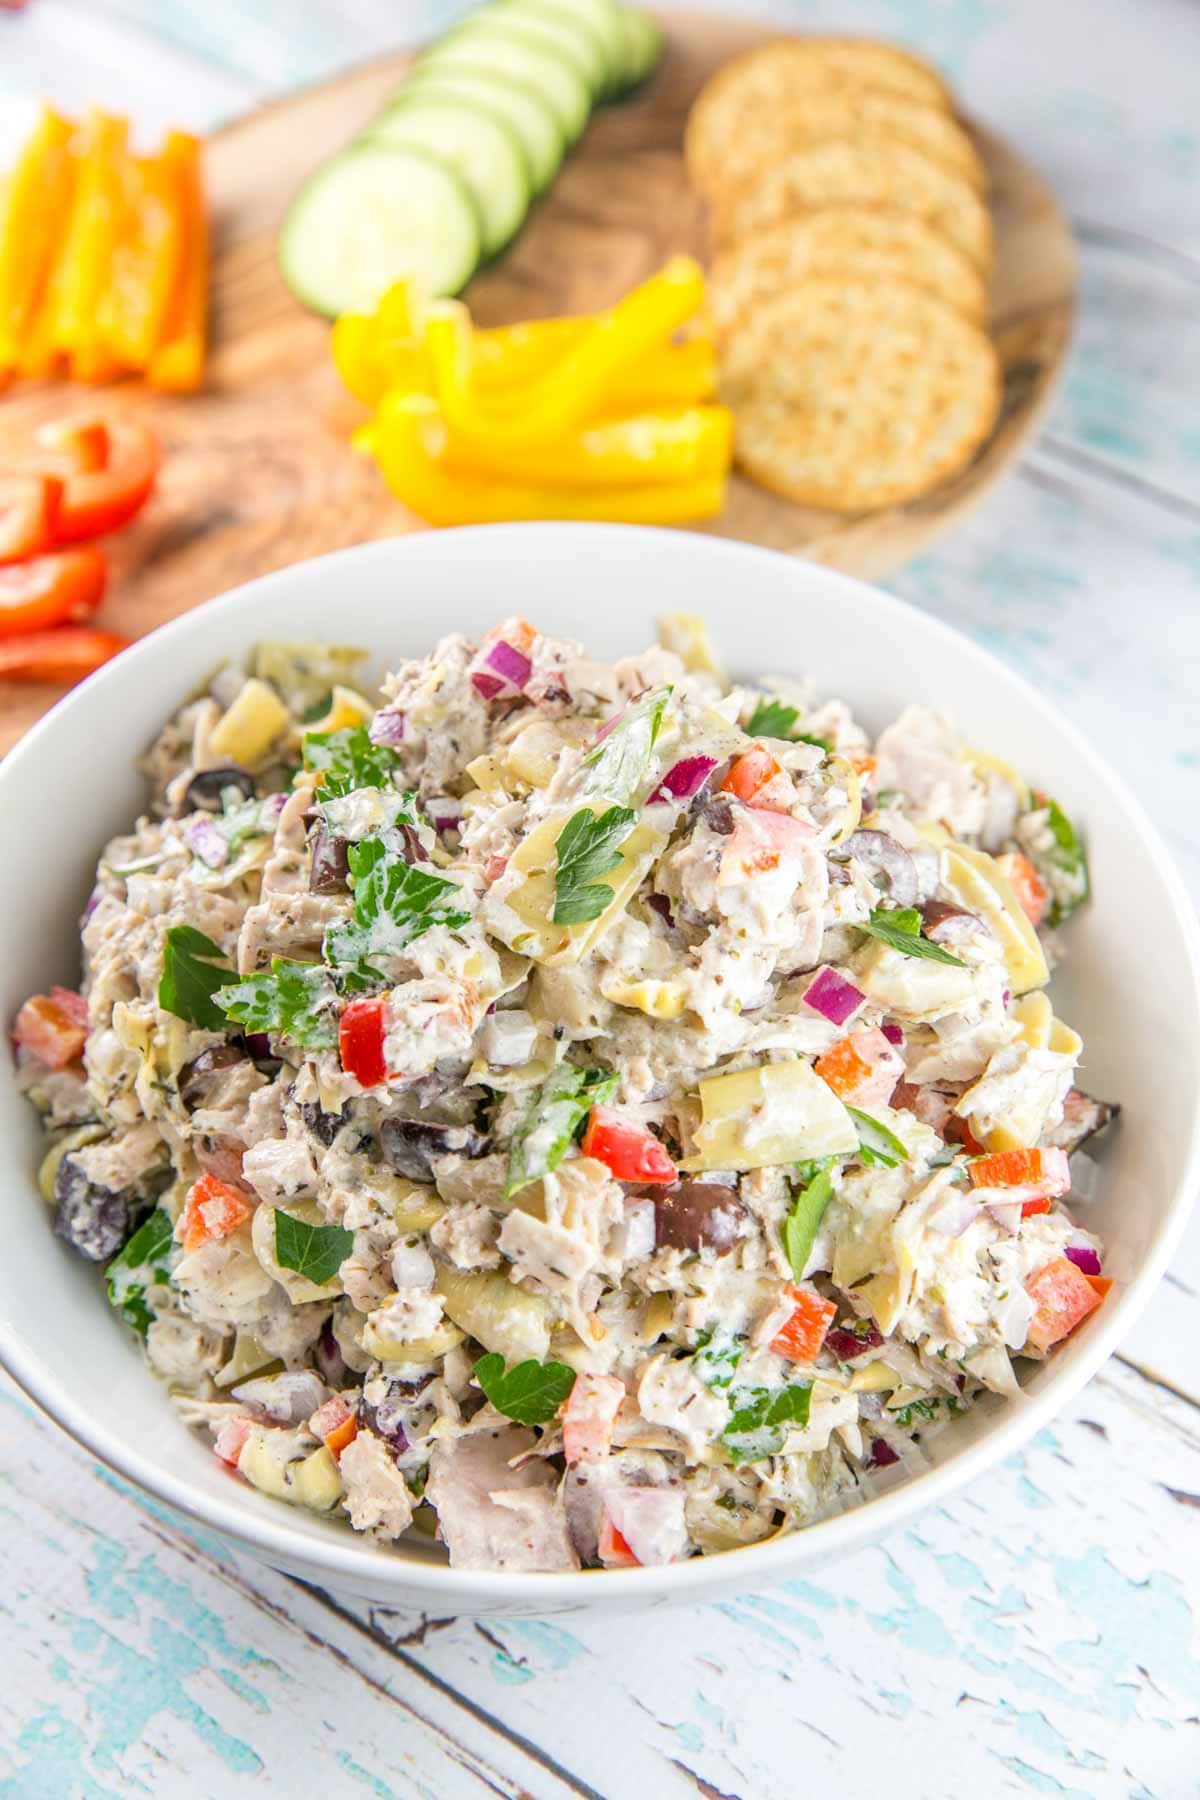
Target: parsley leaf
x=192 y=973
x=819 y=743
x=548 y=1129
x=347 y=760
x=803 y=1222
x=927 y=1410
x=1069 y=857
x=900 y=927
x=315 y=1251
x=758 y=1424
x=717 y=1357
x=587 y=848
x=297 y=1000
x=773 y=718
x=531 y=1393
x=394 y=902
x=617 y=765
x=877 y=1146
x=141 y=1261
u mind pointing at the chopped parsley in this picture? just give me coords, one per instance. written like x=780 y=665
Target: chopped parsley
x=900 y=928
x=717 y=1357
x=315 y=1251
x=393 y=904
x=142 y=1261
x=878 y=1147
x=296 y=1000
x=804 y=1220
x=552 y=1122
x=193 y=971
x=347 y=760
x=773 y=718
x=760 y=1418
x=926 y=1410
x=1068 y=857
x=617 y=766
x=587 y=848
x=531 y=1393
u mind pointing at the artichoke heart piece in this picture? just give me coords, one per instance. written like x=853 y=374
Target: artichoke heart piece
x=657 y=999
x=410 y=1351
x=347 y=708
x=1041 y=1030
x=976 y=881
x=524 y=920
x=687 y=635
x=985 y=765
x=306 y=673
x=776 y=1113
x=414 y=1207
x=247 y=730
x=903 y=984
x=315 y=1482
x=494 y=1310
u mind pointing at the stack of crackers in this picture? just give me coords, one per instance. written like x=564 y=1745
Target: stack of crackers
x=850 y=285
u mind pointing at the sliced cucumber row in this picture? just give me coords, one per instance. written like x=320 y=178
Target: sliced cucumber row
x=444 y=177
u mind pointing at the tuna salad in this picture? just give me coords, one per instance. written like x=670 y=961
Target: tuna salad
x=589 y=1115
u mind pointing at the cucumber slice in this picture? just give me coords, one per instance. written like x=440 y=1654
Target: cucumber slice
x=508 y=53
x=643 y=45
x=522 y=109
x=603 y=19
x=477 y=144
x=374 y=215
x=563 y=33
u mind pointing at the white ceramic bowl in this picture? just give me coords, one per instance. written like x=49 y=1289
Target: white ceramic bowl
x=1131 y=985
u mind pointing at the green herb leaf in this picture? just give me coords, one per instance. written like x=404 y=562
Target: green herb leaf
x=773 y=718
x=926 y=1410
x=531 y=1393
x=296 y=1000
x=142 y=1261
x=587 y=848
x=348 y=759
x=1069 y=858
x=818 y=743
x=192 y=973
x=900 y=927
x=315 y=1251
x=717 y=1357
x=553 y=1121
x=394 y=902
x=803 y=1222
x=617 y=766
x=760 y=1418
x=878 y=1147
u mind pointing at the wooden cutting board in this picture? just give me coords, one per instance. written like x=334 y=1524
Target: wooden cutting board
x=258 y=472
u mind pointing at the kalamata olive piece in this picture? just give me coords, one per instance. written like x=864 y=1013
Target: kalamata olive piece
x=330 y=867
x=327 y=1354
x=887 y=863
x=93 y=1220
x=412 y=1147
x=697 y=1213
x=323 y=1125
x=717 y=814
x=204 y=790
x=945 y=923
x=195 y=1076
x=1082 y=1118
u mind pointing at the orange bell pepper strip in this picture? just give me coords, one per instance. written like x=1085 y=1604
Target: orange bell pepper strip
x=690 y=444
x=37 y=199
x=573 y=388
x=408 y=442
x=53 y=1027
x=862 y=1069
x=756 y=779
x=212 y=1209
x=147 y=260
x=90 y=237
x=177 y=363
x=802 y=1334
x=1031 y=891
x=1063 y=1296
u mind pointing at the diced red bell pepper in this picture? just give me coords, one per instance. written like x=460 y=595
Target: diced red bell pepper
x=53 y=1027
x=213 y=1209
x=28 y=508
x=592 y=1407
x=862 y=1068
x=1033 y=896
x=64 y=653
x=613 y=1550
x=334 y=1422
x=1034 y=1176
x=1063 y=1296
x=760 y=841
x=630 y=1151
x=757 y=779
x=230 y=1440
x=51 y=590
x=107 y=469
x=360 y=1042
x=800 y=1339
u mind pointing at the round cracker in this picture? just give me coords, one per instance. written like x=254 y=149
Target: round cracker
x=842 y=243
x=859 y=171
x=851 y=395
x=774 y=74
x=750 y=138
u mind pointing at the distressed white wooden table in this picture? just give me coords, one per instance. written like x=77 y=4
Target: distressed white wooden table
x=1039 y=1636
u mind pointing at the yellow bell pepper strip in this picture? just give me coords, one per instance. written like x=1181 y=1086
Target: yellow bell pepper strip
x=177 y=363
x=37 y=199
x=87 y=253
x=668 y=375
x=409 y=438
x=690 y=444
x=575 y=386
x=146 y=262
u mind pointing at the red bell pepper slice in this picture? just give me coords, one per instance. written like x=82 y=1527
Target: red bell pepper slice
x=212 y=1210
x=28 y=508
x=630 y=1151
x=613 y=1550
x=64 y=587
x=107 y=470
x=801 y=1337
x=53 y=1027
x=1063 y=1296
x=67 y=653
x=360 y=1042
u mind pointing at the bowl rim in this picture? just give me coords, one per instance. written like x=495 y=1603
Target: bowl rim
x=365 y=1564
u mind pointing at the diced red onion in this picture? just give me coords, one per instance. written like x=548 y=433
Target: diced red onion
x=204 y=838
x=94 y=899
x=1084 y=1258
x=1006 y=1214
x=893 y=1034
x=882 y=1455
x=846 y=1345
x=487 y=685
x=640 y=1230
x=684 y=779
x=831 y=995
x=271 y=810
x=509 y=662
x=387 y=728
x=445 y=813
x=957 y=1211
x=606 y=728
